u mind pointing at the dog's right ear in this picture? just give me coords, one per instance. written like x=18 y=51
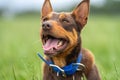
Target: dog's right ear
x=47 y=8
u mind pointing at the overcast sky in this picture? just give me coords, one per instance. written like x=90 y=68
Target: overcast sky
x=19 y=6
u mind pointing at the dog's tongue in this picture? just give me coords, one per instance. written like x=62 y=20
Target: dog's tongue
x=51 y=43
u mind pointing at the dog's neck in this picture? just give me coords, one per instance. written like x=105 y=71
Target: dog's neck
x=62 y=60
x=59 y=61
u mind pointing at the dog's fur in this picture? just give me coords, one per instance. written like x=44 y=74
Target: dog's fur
x=67 y=26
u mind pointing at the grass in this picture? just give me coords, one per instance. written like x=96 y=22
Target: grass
x=19 y=43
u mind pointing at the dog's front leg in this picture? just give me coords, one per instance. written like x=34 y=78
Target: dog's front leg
x=93 y=74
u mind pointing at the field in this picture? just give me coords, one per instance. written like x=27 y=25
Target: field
x=20 y=42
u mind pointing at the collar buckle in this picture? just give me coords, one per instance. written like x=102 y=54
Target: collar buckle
x=63 y=74
x=61 y=70
x=81 y=66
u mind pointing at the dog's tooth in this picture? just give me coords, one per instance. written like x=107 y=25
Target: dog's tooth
x=60 y=43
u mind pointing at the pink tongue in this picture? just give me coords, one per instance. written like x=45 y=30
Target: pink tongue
x=51 y=43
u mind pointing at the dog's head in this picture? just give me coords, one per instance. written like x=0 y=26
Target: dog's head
x=60 y=32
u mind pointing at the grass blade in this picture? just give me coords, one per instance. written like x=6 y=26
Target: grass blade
x=13 y=69
x=117 y=74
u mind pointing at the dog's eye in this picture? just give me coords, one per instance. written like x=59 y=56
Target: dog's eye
x=45 y=19
x=65 y=20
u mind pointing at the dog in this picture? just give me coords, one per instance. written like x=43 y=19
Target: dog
x=65 y=59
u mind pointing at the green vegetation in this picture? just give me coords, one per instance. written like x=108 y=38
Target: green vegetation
x=19 y=43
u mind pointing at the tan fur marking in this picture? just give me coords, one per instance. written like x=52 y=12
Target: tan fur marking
x=62 y=15
x=50 y=15
x=71 y=36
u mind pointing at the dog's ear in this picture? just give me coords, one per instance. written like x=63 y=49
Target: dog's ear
x=47 y=8
x=81 y=12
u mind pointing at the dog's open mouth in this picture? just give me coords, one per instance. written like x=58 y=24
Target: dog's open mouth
x=52 y=45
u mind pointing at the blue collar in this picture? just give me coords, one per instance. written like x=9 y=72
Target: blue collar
x=66 y=70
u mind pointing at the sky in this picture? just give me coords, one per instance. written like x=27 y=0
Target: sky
x=18 y=6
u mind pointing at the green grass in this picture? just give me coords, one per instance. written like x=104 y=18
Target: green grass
x=19 y=43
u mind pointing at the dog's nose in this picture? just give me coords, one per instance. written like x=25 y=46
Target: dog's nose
x=46 y=26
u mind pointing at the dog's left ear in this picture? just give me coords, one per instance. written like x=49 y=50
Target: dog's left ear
x=47 y=8
x=81 y=12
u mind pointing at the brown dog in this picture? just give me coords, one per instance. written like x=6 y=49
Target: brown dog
x=60 y=35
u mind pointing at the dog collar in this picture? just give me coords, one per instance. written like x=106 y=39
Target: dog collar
x=66 y=70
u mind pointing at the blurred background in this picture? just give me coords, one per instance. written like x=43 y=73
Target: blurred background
x=20 y=39
x=11 y=8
